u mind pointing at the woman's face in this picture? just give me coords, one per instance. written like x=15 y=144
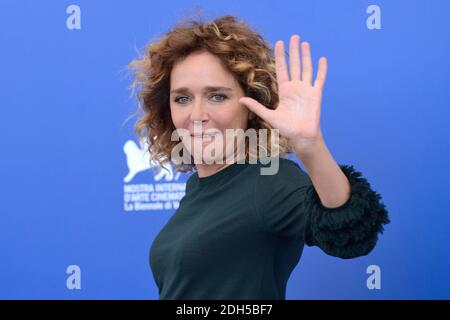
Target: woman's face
x=203 y=96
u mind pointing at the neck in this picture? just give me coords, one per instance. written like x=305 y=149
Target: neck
x=205 y=170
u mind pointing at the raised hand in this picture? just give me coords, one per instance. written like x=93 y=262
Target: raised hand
x=297 y=115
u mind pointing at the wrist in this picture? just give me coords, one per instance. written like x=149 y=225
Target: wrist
x=308 y=148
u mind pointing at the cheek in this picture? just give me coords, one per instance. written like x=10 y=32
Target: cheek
x=232 y=117
x=179 y=117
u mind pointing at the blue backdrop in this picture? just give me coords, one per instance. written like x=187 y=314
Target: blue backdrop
x=80 y=208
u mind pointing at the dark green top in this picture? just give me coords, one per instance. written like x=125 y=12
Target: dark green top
x=238 y=234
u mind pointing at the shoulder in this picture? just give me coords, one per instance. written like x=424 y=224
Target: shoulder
x=191 y=181
x=282 y=171
x=282 y=177
x=279 y=198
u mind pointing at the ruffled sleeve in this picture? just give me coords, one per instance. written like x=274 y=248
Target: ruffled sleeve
x=289 y=206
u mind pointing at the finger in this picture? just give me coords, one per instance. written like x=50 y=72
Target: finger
x=257 y=108
x=294 y=57
x=306 y=63
x=280 y=63
x=321 y=73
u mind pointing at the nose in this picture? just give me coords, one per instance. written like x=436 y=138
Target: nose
x=199 y=112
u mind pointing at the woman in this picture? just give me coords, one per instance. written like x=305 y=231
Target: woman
x=237 y=233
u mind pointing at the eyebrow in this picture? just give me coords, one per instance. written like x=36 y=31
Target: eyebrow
x=206 y=89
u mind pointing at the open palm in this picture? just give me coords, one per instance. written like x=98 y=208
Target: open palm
x=297 y=115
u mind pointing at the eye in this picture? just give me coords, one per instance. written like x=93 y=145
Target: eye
x=177 y=99
x=224 y=97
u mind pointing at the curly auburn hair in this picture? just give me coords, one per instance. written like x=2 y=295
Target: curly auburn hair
x=241 y=50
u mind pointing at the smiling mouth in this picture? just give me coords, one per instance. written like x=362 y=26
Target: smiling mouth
x=202 y=136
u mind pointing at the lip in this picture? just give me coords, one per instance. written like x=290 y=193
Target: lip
x=202 y=135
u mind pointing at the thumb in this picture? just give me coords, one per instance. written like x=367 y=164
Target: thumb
x=256 y=107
